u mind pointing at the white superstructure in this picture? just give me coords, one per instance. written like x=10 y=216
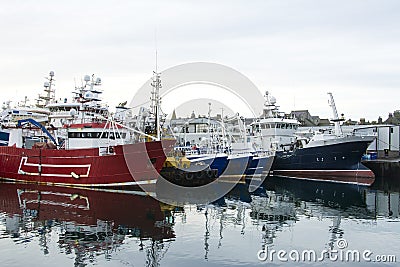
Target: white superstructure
x=276 y=129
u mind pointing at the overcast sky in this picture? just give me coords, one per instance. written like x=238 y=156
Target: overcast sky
x=298 y=50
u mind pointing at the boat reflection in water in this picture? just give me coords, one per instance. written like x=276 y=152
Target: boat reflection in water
x=88 y=222
x=98 y=227
x=285 y=206
x=291 y=201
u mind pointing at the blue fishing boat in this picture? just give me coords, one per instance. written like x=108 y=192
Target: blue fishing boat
x=217 y=161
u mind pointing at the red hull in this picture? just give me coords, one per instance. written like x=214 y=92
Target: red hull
x=360 y=177
x=133 y=164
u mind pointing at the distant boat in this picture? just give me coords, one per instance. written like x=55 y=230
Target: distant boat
x=10 y=116
x=203 y=139
x=332 y=157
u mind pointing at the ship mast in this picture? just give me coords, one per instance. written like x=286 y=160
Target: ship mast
x=155 y=102
x=155 y=94
x=270 y=108
x=336 y=120
x=49 y=97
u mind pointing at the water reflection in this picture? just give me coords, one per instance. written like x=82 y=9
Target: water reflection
x=281 y=203
x=92 y=226
x=87 y=223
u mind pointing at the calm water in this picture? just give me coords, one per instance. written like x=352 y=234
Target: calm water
x=54 y=226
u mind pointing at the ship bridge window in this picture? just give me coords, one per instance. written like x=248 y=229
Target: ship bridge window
x=278 y=126
x=72 y=135
x=103 y=135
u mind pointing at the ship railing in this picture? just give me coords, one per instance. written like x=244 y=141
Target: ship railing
x=364 y=131
x=60 y=112
x=264 y=152
x=135 y=131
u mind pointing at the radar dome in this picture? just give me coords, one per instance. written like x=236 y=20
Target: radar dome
x=86 y=78
x=72 y=112
x=51 y=73
x=272 y=100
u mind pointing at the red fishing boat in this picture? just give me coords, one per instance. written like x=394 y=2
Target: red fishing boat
x=108 y=162
x=90 y=150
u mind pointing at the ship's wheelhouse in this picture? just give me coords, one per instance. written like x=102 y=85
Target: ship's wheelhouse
x=91 y=135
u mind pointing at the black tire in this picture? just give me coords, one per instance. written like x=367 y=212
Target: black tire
x=199 y=175
x=178 y=176
x=189 y=176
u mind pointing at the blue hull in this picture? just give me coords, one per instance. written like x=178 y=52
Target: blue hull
x=335 y=163
x=260 y=166
x=216 y=162
x=199 y=164
x=237 y=165
x=219 y=163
